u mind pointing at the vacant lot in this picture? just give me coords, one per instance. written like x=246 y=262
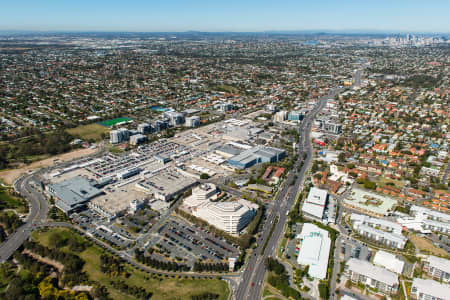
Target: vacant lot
x=161 y=287
x=89 y=132
x=427 y=246
x=8 y=176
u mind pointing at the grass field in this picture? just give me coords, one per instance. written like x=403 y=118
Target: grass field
x=89 y=132
x=162 y=288
x=109 y=123
x=427 y=246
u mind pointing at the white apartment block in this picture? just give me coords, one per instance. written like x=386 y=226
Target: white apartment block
x=386 y=225
x=438 y=268
x=389 y=239
x=427 y=289
x=375 y=277
x=429 y=214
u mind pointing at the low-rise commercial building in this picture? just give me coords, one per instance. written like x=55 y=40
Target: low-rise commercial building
x=166 y=184
x=388 y=261
x=315 y=203
x=73 y=193
x=314 y=250
x=255 y=155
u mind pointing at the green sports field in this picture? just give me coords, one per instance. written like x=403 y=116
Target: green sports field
x=109 y=123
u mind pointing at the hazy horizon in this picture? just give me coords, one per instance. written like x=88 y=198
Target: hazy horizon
x=231 y=16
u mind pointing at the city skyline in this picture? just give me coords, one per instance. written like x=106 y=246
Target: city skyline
x=232 y=16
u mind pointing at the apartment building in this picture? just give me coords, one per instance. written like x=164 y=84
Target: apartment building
x=375 y=277
x=438 y=268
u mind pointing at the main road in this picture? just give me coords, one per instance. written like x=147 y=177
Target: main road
x=37 y=213
x=253 y=276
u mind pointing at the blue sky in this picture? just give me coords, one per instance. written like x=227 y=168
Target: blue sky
x=231 y=15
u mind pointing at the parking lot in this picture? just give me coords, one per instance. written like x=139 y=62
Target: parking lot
x=178 y=239
x=354 y=249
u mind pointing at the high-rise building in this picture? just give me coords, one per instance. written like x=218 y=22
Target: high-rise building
x=118 y=136
x=193 y=121
x=175 y=118
x=144 y=128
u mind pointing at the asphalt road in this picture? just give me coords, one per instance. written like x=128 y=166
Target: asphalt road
x=250 y=286
x=38 y=212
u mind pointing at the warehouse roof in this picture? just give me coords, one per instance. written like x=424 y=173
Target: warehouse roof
x=73 y=192
x=388 y=261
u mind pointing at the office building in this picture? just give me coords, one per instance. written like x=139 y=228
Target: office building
x=193 y=121
x=225 y=107
x=314 y=250
x=427 y=289
x=160 y=125
x=231 y=217
x=280 y=116
x=144 y=128
x=295 y=116
x=137 y=139
x=175 y=118
x=315 y=203
x=437 y=267
x=118 y=136
x=375 y=277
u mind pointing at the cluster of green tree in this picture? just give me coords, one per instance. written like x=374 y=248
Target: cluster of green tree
x=158 y=264
x=57 y=215
x=24 y=287
x=422 y=81
x=367 y=183
x=100 y=292
x=73 y=265
x=210 y=267
x=279 y=279
x=274 y=265
x=10 y=221
x=136 y=291
x=73 y=241
x=205 y=296
x=324 y=291
x=10 y=199
x=111 y=265
x=22 y=149
x=48 y=290
x=3 y=234
x=403 y=209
